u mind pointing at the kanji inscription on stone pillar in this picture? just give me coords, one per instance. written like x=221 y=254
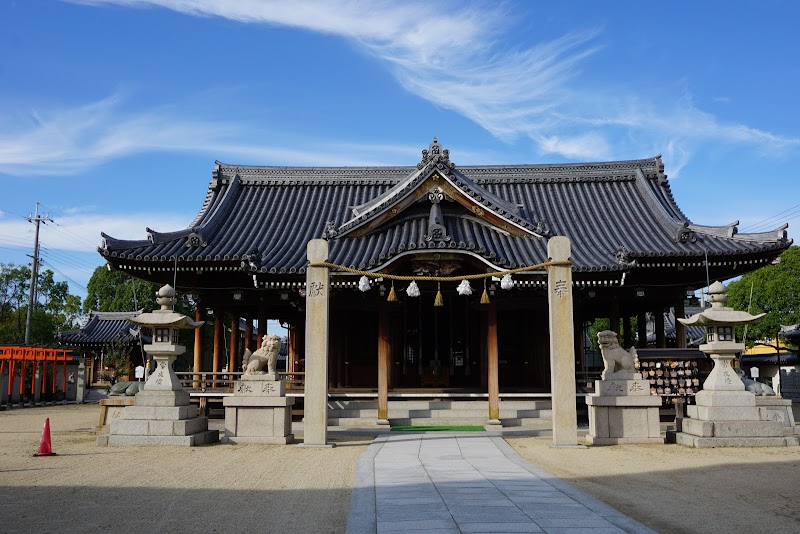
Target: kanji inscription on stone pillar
x=562 y=345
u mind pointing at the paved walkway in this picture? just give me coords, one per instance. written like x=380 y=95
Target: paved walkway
x=467 y=482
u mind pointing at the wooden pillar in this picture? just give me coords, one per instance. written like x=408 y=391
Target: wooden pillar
x=384 y=360
x=217 y=342
x=199 y=315
x=316 y=348
x=248 y=334
x=492 y=356
x=262 y=321
x=680 y=328
x=562 y=345
x=661 y=340
x=627 y=335
x=233 y=357
x=292 y=353
x=614 y=318
x=641 y=325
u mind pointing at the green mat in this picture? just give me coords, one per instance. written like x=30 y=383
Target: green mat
x=440 y=428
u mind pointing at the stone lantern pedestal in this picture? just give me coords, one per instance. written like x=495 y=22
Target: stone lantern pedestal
x=725 y=414
x=162 y=414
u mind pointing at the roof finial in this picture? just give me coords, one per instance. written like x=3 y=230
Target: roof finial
x=437 y=156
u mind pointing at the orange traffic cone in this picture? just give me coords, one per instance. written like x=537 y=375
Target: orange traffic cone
x=45 y=448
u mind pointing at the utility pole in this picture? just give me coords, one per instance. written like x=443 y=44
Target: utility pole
x=36 y=219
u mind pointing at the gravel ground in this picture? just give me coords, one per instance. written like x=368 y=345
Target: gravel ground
x=216 y=488
x=277 y=489
x=672 y=488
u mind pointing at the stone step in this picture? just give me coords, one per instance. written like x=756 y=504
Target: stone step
x=441 y=421
x=474 y=412
x=526 y=423
x=348 y=422
x=439 y=405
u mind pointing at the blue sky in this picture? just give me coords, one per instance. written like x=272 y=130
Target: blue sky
x=112 y=112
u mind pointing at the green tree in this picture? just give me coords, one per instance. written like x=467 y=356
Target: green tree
x=117 y=291
x=55 y=309
x=775 y=291
x=118 y=360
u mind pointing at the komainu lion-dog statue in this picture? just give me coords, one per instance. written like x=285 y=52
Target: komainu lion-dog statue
x=619 y=363
x=253 y=363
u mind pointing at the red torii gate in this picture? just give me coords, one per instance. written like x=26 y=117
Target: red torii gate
x=24 y=354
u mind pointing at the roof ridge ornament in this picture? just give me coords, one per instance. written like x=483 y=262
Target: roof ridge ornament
x=684 y=234
x=623 y=257
x=436 y=229
x=436 y=156
x=331 y=230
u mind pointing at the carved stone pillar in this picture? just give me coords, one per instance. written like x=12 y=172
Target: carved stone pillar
x=562 y=345
x=317 y=310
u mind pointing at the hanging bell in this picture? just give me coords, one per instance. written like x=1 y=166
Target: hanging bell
x=439 y=302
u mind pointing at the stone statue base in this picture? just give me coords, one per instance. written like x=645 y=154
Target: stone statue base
x=258 y=412
x=732 y=419
x=623 y=411
x=160 y=417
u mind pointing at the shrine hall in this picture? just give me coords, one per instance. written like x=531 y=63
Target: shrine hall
x=634 y=254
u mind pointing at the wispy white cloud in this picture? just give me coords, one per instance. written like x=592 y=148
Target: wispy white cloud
x=451 y=55
x=77 y=229
x=70 y=140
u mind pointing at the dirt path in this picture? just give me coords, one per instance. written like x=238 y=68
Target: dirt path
x=276 y=489
x=219 y=488
x=677 y=489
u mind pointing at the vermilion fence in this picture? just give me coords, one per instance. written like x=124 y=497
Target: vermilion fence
x=16 y=357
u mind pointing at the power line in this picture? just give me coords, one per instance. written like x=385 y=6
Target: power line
x=70 y=258
x=72 y=236
x=76 y=284
x=792 y=213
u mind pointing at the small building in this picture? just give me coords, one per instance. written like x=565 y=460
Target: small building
x=96 y=336
x=634 y=253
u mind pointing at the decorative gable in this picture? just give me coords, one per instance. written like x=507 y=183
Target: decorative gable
x=436 y=179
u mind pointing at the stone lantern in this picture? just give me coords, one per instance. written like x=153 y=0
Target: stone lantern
x=165 y=324
x=162 y=414
x=720 y=322
x=724 y=413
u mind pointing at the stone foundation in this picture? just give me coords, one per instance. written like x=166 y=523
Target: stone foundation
x=111 y=409
x=258 y=412
x=160 y=418
x=614 y=420
x=736 y=419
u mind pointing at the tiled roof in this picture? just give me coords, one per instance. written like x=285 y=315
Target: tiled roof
x=102 y=328
x=614 y=213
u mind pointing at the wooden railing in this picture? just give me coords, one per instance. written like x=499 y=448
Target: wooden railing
x=222 y=382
